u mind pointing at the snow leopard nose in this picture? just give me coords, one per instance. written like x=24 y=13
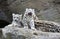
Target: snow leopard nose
x=15 y=20
x=30 y=13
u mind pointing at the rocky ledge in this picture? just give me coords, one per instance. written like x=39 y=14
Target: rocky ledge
x=21 y=33
x=45 y=30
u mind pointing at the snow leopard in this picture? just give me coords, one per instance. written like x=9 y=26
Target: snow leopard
x=28 y=18
x=16 y=23
x=16 y=20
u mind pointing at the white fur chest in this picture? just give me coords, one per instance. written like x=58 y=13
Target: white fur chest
x=16 y=24
x=28 y=18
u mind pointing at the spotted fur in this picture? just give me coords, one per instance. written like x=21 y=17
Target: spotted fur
x=28 y=18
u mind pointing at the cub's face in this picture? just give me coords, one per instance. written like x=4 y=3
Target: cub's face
x=29 y=12
x=17 y=17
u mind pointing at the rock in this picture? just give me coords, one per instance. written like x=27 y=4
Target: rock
x=15 y=32
x=22 y=33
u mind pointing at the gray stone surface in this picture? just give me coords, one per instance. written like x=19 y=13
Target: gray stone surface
x=21 y=33
x=10 y=32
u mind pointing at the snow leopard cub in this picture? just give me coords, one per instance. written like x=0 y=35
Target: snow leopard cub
x=17 y=19
x=16 y=23
x=28 y=18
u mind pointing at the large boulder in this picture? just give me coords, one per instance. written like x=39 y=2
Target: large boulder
x=21 y=33
x=10 y=32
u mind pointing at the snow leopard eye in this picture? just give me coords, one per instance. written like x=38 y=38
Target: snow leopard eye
x=17 y=17
x=30 y=13
x=14 y=17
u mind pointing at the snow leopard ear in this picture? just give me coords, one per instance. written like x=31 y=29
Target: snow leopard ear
x=26 y=9
x=13 y=14
x=33 y=9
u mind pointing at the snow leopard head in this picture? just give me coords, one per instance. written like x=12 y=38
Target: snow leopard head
x=29 y=11
x=17 y=17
